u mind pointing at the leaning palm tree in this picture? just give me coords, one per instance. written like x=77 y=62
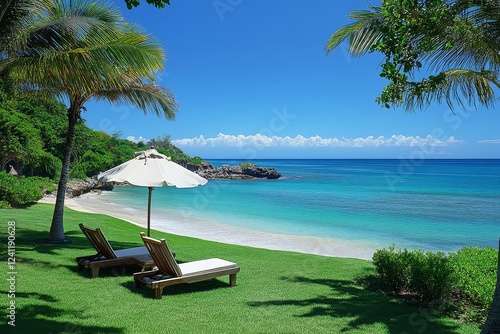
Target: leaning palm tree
x=461 y=47
x=80 y=50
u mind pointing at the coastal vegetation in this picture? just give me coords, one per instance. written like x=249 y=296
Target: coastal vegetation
x=19 y=192
x=79 y=51
x=33 y=133
x=454 y=42
x=438 y=51
x=460 y=284
x=277 y=291
x=47 y=140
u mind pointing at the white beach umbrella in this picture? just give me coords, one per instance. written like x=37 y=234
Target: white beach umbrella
x=152 y=169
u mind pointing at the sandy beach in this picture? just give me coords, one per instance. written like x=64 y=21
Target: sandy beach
x=208 y=230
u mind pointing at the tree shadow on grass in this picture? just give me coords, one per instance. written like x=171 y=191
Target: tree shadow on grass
x=28 y=249
x=30 y=240
x=178 y=289
x=40 y=317
x=363 y=308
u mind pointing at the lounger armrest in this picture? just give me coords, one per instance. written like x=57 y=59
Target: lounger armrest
x=89 y=258
x=142 y=274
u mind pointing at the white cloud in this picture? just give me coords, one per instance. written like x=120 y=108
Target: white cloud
x=138 y=139
x=489 y=141
x=259 y=140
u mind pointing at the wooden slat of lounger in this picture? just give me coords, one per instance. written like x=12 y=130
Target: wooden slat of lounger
x=162 y=256
x=100 y=243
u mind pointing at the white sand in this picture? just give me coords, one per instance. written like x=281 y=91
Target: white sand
x=208 y=230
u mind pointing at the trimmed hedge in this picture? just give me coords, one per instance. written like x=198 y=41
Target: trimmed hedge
x=461 y=284
x=474 y=278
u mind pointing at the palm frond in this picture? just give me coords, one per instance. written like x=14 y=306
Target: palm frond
x=150 y=98
x=88 y=65
x=13 y=13
x=462 y=86
x=363 y=33
x=475 y=47
x=58 y=25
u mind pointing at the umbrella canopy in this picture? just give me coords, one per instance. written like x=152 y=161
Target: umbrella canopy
x=152 y=169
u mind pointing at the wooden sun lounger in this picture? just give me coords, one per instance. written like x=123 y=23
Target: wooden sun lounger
x=107 y=257
x=169 y=272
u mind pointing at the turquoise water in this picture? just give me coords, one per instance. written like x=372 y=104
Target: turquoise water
x=432 y=204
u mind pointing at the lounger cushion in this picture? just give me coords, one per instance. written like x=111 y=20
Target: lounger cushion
x=131 y=252
x=202 y=266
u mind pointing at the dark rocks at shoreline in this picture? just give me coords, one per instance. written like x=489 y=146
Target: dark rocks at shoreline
x=78 y=187
x=245 y=171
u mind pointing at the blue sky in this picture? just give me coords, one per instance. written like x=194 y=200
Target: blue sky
x=253 y=81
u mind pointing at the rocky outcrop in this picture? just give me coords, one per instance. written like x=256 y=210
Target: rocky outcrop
x=246 y=171
x=77 y=187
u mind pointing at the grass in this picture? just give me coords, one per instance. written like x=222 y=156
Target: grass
x=277 y=292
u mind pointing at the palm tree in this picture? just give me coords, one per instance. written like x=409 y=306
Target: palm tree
x=80 y=50
x=466 y=55
x=463 y=51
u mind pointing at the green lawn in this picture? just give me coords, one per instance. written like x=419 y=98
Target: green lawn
x=277 y=292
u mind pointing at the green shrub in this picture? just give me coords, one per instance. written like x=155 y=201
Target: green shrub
x=78 y=172
x=49 y=166
x=5 y=205
x=429 y=274
x=247 y=165
x=473 y=281
x=19 y=192
x=392 y=267
x=46 y=185
x=196 y=160
x=462 y=283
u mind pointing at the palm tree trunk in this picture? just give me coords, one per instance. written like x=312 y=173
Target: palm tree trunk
x=492 y=325
x=57 y=226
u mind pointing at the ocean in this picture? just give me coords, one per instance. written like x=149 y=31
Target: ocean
x=434 y=205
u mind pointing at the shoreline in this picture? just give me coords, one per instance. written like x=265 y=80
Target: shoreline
x=212 y=231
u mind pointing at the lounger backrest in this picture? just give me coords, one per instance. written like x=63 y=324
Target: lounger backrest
x=162 y=256
x=99 y=241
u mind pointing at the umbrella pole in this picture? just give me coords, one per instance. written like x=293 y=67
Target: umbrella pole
x=149 y=208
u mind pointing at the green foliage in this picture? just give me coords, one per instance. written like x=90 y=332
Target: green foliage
x=246 y=165
x=457 y=41
x=177 y=155
x=47 y=185
x=19 y=192
x=196 y=160
x=393 y=269
x=461 y=283
x=49 y=117
x=409 y=29
x=156 y=3
x=430 y=274
x=33 y=140
x=162 y=142
x=20 y=140
x=31 y=135
x=474 y=278
x=4 y=205
x=49 y=166
x=92 y=152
